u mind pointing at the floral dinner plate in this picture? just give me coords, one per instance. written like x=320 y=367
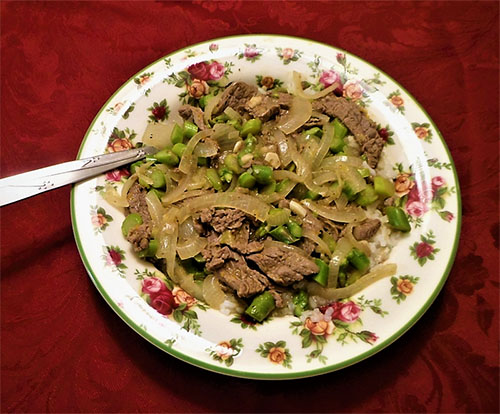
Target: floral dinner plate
x=353 y=329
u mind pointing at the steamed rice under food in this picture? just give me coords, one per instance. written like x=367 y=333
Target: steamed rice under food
x=264 y=202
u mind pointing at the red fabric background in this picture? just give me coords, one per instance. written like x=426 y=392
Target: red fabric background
x=64 y=350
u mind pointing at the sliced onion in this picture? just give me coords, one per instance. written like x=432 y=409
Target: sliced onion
x=324 y=119
x=348 y=215
x=212 y=292
x=198 y=180
x=298 y=114
x=245 y=202
x=360 y=245
x=226 y=136
x=339 y=254
x=286 y=148
x=284 y=174
x=325 y=177
x=272 y=198
x=112 y=197
x=333 y=294
x=186 y=282
x=341 y=201
x=191 y=248
x=330 y=163
x=158 y=135
x=232 y=114
x=324 y=145
x=297 y=81
x=170 y=221
x=207 y=148
x=188 y=161
x=209 y=108
x=167 y=246
x=323 y=247
x=351 y=174
x=127 y=185
x=278 y=218
x=156 y=210
x=174 y=195
x=186 y=229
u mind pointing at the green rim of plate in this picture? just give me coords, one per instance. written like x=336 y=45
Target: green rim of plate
x=264 y=376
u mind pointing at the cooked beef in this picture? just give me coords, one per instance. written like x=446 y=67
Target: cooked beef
x=311 y=223
x=366 y=230
x=216 y=255
x=278 y=300
x=283 y=267
x=239 y=240
x=136 y=198
x=222 y=219
x=139 y=236
x=236 y=96
x=307 y=245
x=238 y=276
x=363 y=129
x=194 y=114
x=312 y=122
x=265 y=107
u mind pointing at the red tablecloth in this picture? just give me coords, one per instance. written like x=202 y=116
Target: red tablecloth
x=64 y=350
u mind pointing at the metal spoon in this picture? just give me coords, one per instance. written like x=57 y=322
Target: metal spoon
x=28 y=184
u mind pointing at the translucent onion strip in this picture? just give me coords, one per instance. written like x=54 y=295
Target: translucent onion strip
x=186 y=281
x=324 y=145
x=272 y=243
x=209 y=108
x=188 y=161
x=249 y=204
x=156 y=210
x=339 y=254
x=174 y=195
x=298 y=114
x=112 y=197
x=212 y=292
x=348 y=215
x=191 y=248
x=232 y=114
x=207 y=148
x=322 y=246
x=284 y=174
x=333 y=294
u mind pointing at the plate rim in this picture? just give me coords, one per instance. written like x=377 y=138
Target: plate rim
x=253 y=375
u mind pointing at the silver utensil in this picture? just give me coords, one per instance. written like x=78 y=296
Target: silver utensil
x=28 y=184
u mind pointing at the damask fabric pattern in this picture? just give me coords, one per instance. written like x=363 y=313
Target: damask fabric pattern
x=64 y=350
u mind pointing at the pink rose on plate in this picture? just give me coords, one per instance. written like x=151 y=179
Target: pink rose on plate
x=287 y=53
x=117 y=175
x=416 y=208
x=369 y=337
x=348 y=312
x=98 y=220
x=421 y=132
x=213 y=47
x=353 y=90
x=438 y=182
x=216 y=70
x=199 y=71
x=113 y=258
x=341 y=58
x=251 y=52
x=153 y=285
x=119 y=144
x=163 y=302
x=329 y=77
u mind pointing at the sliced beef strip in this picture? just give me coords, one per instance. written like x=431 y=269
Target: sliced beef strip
x=238 y=276
x=364 y=130
x=366 y=230
x=266 y=108
x=216 y=256
x=278 y=300
x=283 y=267
x=236 y=96
x=222 y=219
x=189 y=112
x=140 y=235
x=241 y=243
x=307 y=245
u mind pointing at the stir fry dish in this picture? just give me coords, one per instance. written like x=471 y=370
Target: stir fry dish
x=264 y=202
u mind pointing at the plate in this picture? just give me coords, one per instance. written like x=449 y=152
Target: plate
x=416 y=155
